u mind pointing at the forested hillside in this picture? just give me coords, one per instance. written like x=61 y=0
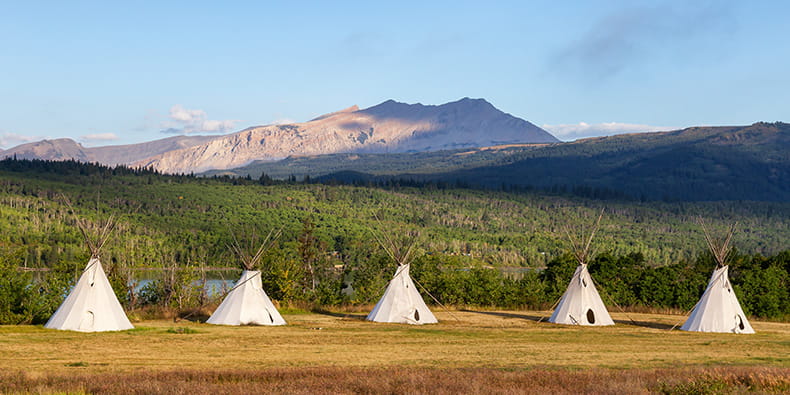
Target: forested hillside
x=178 y=222
x=694 y=164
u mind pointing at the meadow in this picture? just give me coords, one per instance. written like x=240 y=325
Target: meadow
x=470 y=351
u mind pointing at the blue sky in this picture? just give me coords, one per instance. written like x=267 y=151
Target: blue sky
x=115 y=73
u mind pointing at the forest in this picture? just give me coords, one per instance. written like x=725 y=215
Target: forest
x=476 y=247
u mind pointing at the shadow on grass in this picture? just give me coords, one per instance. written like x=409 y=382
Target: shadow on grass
x=192 y=316
x=358 y=316
x=509 y=315
x=645 y=324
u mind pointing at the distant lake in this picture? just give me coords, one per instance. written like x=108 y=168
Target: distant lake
x=217 y=281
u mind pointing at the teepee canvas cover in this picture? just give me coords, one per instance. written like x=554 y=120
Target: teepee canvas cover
x=401 y=302
x=581 y=304
x=718 y=309
x=91 y=306
x=247 y=304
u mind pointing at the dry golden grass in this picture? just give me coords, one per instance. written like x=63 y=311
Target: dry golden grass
x=396 y=380
x=344 y=346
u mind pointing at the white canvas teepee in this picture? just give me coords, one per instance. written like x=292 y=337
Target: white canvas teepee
x=91 y=306
x=401 y=302
x=581 y=304
x=247 y=303
x=718 y=309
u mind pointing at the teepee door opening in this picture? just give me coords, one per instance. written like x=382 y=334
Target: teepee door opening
x=590 y=317
x=87 y=322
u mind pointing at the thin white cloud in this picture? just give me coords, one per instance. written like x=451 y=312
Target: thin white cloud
x=187 y=121
x=580 y=130
x=99 y=137
x=9 y=140
x=182 y=114
x=283 y=121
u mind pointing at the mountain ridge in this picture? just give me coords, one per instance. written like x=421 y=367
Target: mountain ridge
x=390 y=126
x=387 y=127
x=111 y=155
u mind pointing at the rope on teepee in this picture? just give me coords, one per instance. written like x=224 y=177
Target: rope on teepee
x=437 y=301
x=552 y=307
x=602 y=291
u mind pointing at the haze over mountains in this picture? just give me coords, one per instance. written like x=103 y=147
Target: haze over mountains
x=385 y=128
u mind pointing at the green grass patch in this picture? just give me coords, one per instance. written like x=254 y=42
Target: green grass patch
x=182 y=330
x=140 y=329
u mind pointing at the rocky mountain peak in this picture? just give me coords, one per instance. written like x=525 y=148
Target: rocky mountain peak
x=390 y=126
x=351 y=109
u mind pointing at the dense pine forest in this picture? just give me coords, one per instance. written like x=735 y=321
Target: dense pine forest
x=482 y=248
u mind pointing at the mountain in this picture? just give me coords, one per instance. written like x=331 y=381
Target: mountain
x=694 y=164
x=388 y=127
x=385 y=128
x=66 y=149
x=58 y=149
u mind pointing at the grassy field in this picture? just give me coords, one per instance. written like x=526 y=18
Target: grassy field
x=505 y=350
